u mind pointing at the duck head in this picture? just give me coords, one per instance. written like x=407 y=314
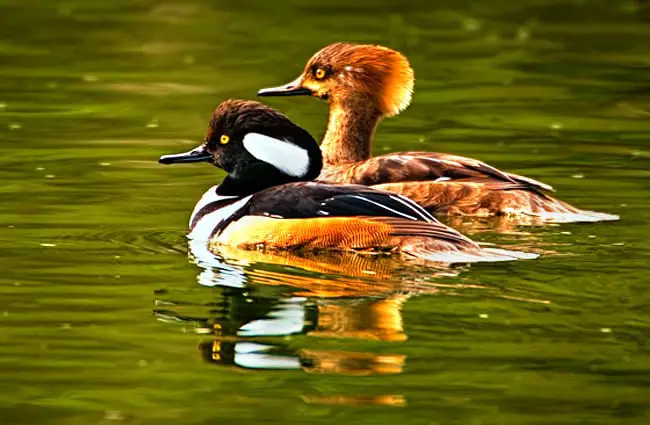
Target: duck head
x=349 y=73
x=257 y=146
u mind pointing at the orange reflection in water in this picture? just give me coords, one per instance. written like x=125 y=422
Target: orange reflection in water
x=318 y=295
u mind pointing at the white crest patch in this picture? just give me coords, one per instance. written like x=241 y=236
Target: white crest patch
x=285 y=156
x=265 y=360
x=287 y=318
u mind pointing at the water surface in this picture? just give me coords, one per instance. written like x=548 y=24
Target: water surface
x=105 y=319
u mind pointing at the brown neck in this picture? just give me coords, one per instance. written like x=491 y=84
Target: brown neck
x=350 y=130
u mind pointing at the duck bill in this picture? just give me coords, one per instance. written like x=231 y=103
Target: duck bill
x=199 y=154
x=293 y=88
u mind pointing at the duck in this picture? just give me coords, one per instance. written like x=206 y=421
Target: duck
x=365 y=83
x=268 y=201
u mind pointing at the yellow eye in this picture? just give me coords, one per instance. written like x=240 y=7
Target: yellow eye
x=320 y=74
x=224 y=139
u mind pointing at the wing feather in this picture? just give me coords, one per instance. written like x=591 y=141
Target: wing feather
x=374 y=203
x=309 y=199
x=419 y=166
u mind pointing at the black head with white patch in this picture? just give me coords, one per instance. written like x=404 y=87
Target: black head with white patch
x=257 y=146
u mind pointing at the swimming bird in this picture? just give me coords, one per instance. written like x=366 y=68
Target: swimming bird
x=365 y=83
x=268 y=202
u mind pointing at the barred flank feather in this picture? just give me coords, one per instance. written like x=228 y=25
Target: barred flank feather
x=429 y=242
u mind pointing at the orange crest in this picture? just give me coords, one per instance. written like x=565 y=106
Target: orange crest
x=378 y=71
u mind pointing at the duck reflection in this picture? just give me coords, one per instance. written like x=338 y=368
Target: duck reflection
x=263 y=296
x=316 y=274
x=285 y=311
x=522 y=225
x=258 y=355
x=245 y=325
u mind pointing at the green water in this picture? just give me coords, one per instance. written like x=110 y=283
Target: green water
x=105 y=319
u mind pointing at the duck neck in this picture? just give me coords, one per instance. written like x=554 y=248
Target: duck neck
x=350 y=130
x=252 y=178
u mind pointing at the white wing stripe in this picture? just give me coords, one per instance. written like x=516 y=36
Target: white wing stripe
x=416 y=208
x=410 y=217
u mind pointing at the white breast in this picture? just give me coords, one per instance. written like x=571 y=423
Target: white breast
x=210 y=195
x=206 y=224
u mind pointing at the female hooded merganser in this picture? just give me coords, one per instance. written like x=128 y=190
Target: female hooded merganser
x=365 y=83
x=267 y=201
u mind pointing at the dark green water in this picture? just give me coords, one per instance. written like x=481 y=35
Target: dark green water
x=104 y=319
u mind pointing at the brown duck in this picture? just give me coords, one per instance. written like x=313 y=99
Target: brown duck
x=365 y=83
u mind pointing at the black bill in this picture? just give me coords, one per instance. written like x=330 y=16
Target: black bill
x=199 y=154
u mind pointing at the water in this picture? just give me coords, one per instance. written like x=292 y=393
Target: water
x=105 y=319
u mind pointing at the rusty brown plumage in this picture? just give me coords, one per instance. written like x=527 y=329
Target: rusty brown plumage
x=365 y=83
x=370 y=234
x=449 y=184
x=475 y=198
x=377 y=72
x=341 y=233
x=373 y=81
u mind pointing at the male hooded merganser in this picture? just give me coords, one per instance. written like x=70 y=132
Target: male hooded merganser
x=267 y=201
x=364 y=83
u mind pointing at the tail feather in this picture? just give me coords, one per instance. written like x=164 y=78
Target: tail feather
x=415 y=230
x=555 y=211
x=435 y=242
x=578 y=216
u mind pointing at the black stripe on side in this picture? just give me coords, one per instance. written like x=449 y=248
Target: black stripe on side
x=225 y=222
x=211 y=207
